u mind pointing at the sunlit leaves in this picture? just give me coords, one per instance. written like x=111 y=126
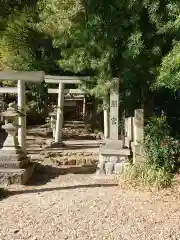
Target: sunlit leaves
x=169 y=72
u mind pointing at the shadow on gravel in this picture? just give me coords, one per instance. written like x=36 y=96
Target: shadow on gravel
x=45 y=173
x=62 y=188
x=4 y=193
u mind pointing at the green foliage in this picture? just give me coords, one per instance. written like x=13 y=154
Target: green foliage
x=162 y=150
x=16 y=40
x=135 y=40
x=127 y=39
x=163 y=156
x=169 y=72
x=147 y=175
x=34 y=116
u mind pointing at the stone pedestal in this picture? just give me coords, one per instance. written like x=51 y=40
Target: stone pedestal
x=112 y=158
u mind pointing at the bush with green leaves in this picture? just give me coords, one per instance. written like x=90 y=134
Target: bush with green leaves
x=161 y=149
x=163 y=157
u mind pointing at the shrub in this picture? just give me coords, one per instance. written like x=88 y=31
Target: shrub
x=163 y=155
x=161 y=149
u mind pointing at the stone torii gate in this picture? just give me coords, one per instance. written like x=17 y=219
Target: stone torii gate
x=21 y=77
x=61 y=81
x=79 y=95
x=39 y=76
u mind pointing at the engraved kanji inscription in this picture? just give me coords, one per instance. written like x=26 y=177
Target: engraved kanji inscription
x=114 y=121
x=114 y=103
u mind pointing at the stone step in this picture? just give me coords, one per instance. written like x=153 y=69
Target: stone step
x=115 y=152
x=69 y=169
x=34 y=150
x=71 y=158
x=16 y=176
x=14 y=164
x=63 y=161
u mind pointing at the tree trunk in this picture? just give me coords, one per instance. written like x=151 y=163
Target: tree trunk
x=147 y=97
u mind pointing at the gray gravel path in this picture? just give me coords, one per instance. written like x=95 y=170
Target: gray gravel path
x=81 y=207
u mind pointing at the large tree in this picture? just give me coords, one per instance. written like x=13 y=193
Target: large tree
x=112 y=38
x=136 y=40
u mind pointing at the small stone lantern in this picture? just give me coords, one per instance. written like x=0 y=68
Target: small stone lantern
x=11 y=150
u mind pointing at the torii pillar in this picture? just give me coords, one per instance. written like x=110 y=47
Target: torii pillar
x=22 y=119
x=59 y=121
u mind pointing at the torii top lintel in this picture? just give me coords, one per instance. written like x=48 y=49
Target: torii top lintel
x=39 y=76
x=34 y=76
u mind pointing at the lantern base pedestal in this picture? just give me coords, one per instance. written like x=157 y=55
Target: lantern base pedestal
x=16 y=176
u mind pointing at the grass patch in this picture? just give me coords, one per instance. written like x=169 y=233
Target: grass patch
x=147 y=176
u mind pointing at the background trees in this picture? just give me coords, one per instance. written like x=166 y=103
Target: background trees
x=135 y=40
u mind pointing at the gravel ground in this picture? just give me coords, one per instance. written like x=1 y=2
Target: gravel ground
x=82 y=207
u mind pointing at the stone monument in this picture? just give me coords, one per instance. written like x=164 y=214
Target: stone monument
x=128 y=131
x=138 y=127
x=113 y=157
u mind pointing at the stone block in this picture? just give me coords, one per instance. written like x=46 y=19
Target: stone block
x=114 y=159
x=123 y=158
x=5 y=156
x=114 y=144
x=138 y=126
x=118 y=168
x=14 y=164
x=127 y=142
x=114 y=152
x=101 y=165
x=16 y=176
x=109 y=167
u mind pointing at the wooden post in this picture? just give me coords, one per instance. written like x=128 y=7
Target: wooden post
x=59 y=121
x=22 y=119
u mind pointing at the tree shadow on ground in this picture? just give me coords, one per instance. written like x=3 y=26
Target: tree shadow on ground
x=45 y=173
x=71 y=187
x=7 y=194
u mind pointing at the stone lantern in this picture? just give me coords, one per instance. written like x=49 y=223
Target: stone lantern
x=11 y=153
